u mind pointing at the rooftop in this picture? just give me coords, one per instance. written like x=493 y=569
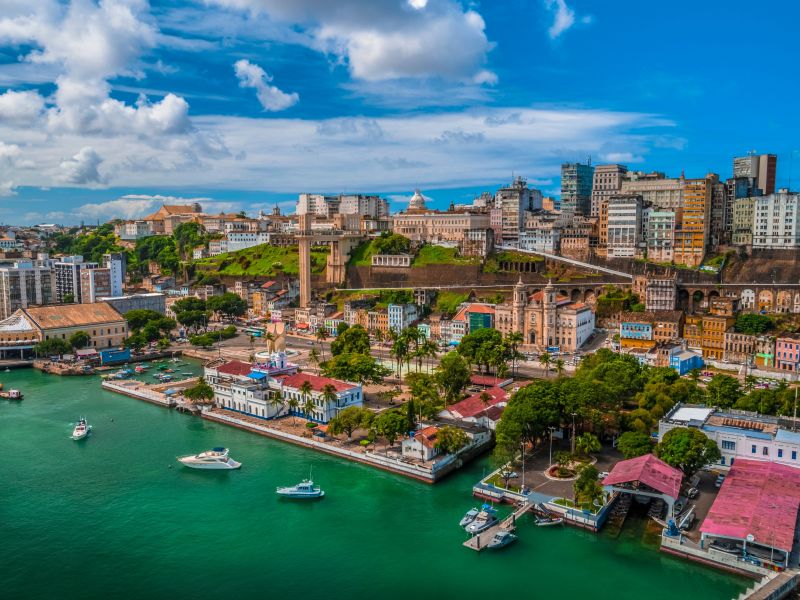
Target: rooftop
x=649 y=470
x=759 y=499
x=474 y=405
x=317 y=383
x=235 y=367
x=72 y=315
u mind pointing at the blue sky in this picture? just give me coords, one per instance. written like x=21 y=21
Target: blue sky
x=108 y=109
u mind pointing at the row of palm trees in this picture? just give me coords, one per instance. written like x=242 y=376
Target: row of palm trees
x=411 y=344
x=306 y=404
x=545 y=360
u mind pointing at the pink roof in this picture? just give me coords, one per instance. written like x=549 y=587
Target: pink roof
x=473 y=308
x=473 y=405
x=488 y=380
x=495 y=412
x=235 y=367
x=317 y=382
x=649 y=470
x=759 y=499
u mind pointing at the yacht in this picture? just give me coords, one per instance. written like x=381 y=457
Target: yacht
x=11 y=394
x=469 y=517
x=304 y=489
x=216 y=458
x=82 y=429
x=484 y=520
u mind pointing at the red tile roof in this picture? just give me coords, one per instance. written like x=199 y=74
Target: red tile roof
x=427 y=436
x=235 y=367
x=495 y=412
x=461 y=315
x=759 y=499
x=648 y=470
x=489 y=380
x=539 y=296
x=317 y=382
x=473 y=405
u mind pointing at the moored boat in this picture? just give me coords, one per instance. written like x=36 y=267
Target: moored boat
x=485 y=519
x=469 y=517
x=501 y=539
x=547 y=521
x=82 y=429
x=304 y=489
x=214 y=459
x=12 y=394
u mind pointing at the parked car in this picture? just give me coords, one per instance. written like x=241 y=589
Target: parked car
x=678 y=508
x=602 y=475
x=692 y=493
x=719 y=480
x=509 y=474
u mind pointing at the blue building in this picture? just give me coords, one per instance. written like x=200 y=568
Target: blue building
x=685 y=361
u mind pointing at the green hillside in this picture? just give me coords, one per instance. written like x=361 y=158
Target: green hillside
x=262 y=260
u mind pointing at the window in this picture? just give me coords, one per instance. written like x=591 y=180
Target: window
x=753 y=449
x=780 y=452
x=765 y=451
x=728 y=445
x=794 y=454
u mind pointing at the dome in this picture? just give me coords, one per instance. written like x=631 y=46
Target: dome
x=417 y=202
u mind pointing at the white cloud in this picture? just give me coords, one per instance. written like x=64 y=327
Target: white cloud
x=21 y=108
x=7 y=188
x=380 y=40
x=563 y=17
x=271 y=98
x=82 y=168
x=621 y=157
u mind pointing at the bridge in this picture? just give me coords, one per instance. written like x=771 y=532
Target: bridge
x=570 y=261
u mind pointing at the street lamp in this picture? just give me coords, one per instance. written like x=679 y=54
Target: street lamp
x=573 y=432
x=552 y=429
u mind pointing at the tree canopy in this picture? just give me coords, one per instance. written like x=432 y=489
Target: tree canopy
x=200 y=393
x=452 y=376
x=227 y=305
x=391 y=243
x=350 y=419
x=723 y=391
x=352 y=366
x=79 y=339
x=52 y=347
x=450 y=439
x=353 y=340
x=752 y=323
x=634 y=443
x=687 y=449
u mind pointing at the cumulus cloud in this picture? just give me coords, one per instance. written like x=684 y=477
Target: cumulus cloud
x=130 y=206
x=271 y=98
x=82 y=168
x=87 y=44
x=380 y=40
x=621 y=157
x=7 y=188
x=563 y=17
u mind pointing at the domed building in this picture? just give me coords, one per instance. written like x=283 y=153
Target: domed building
x=417 y=201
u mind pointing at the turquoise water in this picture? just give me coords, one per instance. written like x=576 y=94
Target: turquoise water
x=114 y=516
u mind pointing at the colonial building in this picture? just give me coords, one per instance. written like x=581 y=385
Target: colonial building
x=545 y=319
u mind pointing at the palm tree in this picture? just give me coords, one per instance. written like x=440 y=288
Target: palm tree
x=329 y=395
x=544 y=360
x=305 y=393
x=485 y=399
x=313 y=356
x=275 y=401
x=308 y=407
x=293 y=404
x=430 y=349
x=587 y=443
x=514 y=339
x=559 y=367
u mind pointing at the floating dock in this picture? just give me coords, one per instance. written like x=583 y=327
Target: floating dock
x=478 y=542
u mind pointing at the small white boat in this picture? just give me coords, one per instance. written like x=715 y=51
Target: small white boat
x=82 y=429
x=12 y=394
x=547 y=521
x=501 y=539
x=304 y=489
x=469 y=517
x=216 y=458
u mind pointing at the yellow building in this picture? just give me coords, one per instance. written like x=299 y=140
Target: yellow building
x=691 y=233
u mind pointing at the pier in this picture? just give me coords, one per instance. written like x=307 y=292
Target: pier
x=478 y=542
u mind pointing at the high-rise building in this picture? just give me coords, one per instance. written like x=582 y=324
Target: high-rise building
x=68 y=276
x=655 y=189
x=576 y=187
x=624 y=226
x=743 y=221
x=761 y=167
x=777 y=221
x=716 y=227
x=511 y=203
x=661 y=235
x=24 y=284
x=691 y=233
x=363 y=205
x=117 y=263
x=318 y=205
x=95 y=283
x=606 y=182
x=736 y=188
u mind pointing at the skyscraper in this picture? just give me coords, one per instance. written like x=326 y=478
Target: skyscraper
x=576 y=187
x=761 y=167
x=607 y=182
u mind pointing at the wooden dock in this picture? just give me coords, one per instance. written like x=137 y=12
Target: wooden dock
x=478 y=542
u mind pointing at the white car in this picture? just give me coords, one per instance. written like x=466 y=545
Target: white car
x=602 y=475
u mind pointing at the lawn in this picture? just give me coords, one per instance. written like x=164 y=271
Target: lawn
x=362 y=255
x=448 y=302
x=439 y=255
x=263 y=260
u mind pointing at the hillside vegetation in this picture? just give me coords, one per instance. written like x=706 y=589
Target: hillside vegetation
x=263 y=260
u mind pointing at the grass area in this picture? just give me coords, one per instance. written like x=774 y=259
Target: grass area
x=499 y=482
x=448 y=302
x=566 y=502
x=262 y=260
x=362 y=255
x=439 y=255
x=383 y=298
x=492 y=263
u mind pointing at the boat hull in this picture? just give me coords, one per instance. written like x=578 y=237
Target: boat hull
x=296 y=496
x=210 y=466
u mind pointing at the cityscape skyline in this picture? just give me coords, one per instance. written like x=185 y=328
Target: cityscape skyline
x=98 y=102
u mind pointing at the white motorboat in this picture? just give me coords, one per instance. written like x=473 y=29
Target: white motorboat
x=216 y=458
x=484 y=520
x=501 y=539
x=82 y=429
x=304 y=489
x=469 y=517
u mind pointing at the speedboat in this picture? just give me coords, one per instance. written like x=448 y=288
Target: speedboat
x=304 y=489
x=547 y=521
x=216 y=458
x=469 y=517
x=501 y=539
x=82 y=429
x=484 y=520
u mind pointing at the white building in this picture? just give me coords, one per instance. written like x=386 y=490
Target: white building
x=777 y=221
x=116 y=263
x=318 y=205
x=133 y=230
x=363 y=205
x=23 y=284
x=624 y=225
x=68 y=276
x=401 y=316
x=660 y=238
x=606 y=182
x=541 y=239
x=739 y=434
